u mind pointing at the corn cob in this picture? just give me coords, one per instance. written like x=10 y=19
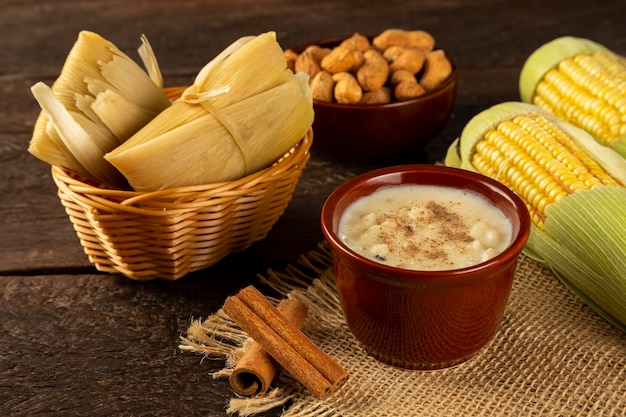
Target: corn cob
x=582 y=82
x=574 y=189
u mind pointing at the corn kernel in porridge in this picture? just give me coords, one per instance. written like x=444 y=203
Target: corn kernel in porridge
x=425 y=227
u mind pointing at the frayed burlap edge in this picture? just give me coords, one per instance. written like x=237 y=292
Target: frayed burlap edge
x=218 y=335
x=553 y=356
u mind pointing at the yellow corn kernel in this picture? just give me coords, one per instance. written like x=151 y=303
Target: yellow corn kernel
x=573 y=186
x=589 y=91
x=538 y=161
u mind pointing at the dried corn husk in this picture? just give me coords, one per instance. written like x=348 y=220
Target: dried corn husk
x=99 y=100
x=244 y=110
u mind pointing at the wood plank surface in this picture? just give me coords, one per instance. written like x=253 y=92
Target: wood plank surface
x=77 y=342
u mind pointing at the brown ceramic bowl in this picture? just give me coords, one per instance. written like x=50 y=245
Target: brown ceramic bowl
x=373 y=131
x=423 y=319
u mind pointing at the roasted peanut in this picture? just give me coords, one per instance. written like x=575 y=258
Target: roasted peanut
x=290 y=57
x=322 y=86
x=401 y=75
x=359 y=60
x=340 y=59
x=381 y=96
x=407 y=90
x=417 y=39
x=307 y=63
x=420 y=39
x=318 y=52
x=374 y=72
x=393 y=52
x=400 y=57
x=405 y=85
x=437 y=69
x=357 y=42
x=347 y=89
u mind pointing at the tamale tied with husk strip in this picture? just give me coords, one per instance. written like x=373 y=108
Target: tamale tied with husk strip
x=244 y=111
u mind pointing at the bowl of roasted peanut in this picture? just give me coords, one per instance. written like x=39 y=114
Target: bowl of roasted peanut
x=376 y=96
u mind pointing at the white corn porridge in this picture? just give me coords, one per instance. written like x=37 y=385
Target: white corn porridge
x=425 y=227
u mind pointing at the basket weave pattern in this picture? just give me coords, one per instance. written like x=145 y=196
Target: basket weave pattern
x=168 y=234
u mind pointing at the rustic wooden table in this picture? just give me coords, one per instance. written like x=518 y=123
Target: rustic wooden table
x=78 y=342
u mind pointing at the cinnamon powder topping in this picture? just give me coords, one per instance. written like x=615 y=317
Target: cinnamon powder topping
x=439 y=229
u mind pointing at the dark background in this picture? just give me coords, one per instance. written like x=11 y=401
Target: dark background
x=78 y=342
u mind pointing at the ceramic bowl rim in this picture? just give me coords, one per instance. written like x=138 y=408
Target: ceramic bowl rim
x=454 y=276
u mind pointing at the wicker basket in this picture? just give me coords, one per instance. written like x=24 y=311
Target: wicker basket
x=167 y=234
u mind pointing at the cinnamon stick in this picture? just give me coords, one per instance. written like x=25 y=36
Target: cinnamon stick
x=291 y=348
x=256 y=369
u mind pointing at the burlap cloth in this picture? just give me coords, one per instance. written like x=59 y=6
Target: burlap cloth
x=552 y=356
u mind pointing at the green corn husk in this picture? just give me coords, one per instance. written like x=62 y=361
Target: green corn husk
x=100 y=99
x=592 y=98
x=245 y=110
x=583 y=239
x=585 y=245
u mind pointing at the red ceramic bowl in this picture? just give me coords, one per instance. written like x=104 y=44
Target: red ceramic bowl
x=423 y=319
x=373 y=131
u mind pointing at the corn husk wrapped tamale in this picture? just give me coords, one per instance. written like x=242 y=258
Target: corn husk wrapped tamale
x=244 y=111
x=100 y=99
